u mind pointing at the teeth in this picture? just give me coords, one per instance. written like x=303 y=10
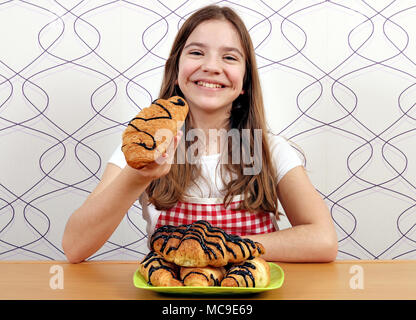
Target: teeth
x=209 y=85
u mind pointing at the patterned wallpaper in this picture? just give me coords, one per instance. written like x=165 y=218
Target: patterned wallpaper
x=338 y=78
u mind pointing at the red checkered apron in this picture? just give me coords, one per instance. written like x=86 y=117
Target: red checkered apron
x=238 y=222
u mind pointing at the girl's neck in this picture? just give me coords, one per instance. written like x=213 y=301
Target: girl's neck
x=210 y=124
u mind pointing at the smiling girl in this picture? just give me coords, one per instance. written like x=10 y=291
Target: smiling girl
x=212 y=66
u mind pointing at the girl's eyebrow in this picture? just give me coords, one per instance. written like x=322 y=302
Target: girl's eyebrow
x=224 y=48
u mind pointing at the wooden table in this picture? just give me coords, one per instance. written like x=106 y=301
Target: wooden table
x=112 y=280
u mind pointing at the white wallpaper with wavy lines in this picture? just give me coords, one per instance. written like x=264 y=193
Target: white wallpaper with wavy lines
x=338 y=79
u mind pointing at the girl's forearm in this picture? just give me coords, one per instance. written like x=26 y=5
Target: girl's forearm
x=302 y=243
x=92 y=224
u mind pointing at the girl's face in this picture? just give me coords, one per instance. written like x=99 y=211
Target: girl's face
x=212 y=66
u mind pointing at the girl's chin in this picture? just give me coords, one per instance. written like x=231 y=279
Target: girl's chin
x=214 y=101
x=209 y=105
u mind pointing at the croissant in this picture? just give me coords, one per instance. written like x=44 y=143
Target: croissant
x=199 y=245
x=250 y=273
x=201 y=277
x=142 y=141
x=158 y=272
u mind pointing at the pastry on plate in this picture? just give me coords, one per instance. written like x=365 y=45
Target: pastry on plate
x=201 y=277
x=250 y=273
x=158 y=272
x=200 y=244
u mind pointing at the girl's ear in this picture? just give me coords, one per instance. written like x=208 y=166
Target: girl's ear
x=242 y=92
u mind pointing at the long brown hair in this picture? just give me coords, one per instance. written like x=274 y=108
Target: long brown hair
x=247 y=112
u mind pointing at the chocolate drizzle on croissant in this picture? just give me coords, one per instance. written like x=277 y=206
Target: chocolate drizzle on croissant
x=250 y=273
x=199 y=254
x=218 y=247
x=140 y=139
x=245 y=271
x=157 y=271
x=178 y=102
x=207 y=276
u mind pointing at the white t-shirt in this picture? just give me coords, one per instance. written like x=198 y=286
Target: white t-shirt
x=283 y=155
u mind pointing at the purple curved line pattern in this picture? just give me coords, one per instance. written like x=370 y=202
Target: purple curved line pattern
x=316 y=80
x=378 y=136
x=47 y=174
x=119 y=73
x=349 y=113
x=20 y=197
x=269 y=19
x=117 y=123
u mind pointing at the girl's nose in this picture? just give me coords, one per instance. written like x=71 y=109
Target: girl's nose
x=211 y=66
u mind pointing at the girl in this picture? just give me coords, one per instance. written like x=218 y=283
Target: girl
x=212 y=66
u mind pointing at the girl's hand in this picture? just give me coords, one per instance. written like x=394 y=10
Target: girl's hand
x=161 y=166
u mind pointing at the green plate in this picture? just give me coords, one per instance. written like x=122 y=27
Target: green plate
x=276 y=281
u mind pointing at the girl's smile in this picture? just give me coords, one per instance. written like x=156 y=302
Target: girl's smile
x=209 y=84
x=212 y=68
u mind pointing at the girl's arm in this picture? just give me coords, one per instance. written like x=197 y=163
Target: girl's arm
x=312 y=237
x=90 y=226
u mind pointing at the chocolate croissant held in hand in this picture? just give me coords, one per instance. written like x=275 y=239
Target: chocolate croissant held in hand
x=201 y=277
x=158 y=272
x=149 y=134
x=250 y=273
x=199 y=245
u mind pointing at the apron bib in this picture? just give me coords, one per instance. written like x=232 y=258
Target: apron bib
x=232 y=221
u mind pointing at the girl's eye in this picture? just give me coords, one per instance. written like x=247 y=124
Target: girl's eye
x=196 y=53
x=231 y=58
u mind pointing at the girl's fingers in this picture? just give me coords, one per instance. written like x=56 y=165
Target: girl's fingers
x=177 y=138
x=167 y=156
x=162 y=158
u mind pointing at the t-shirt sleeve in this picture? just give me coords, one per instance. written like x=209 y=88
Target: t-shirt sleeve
x=283 y=155
x=118 y=158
